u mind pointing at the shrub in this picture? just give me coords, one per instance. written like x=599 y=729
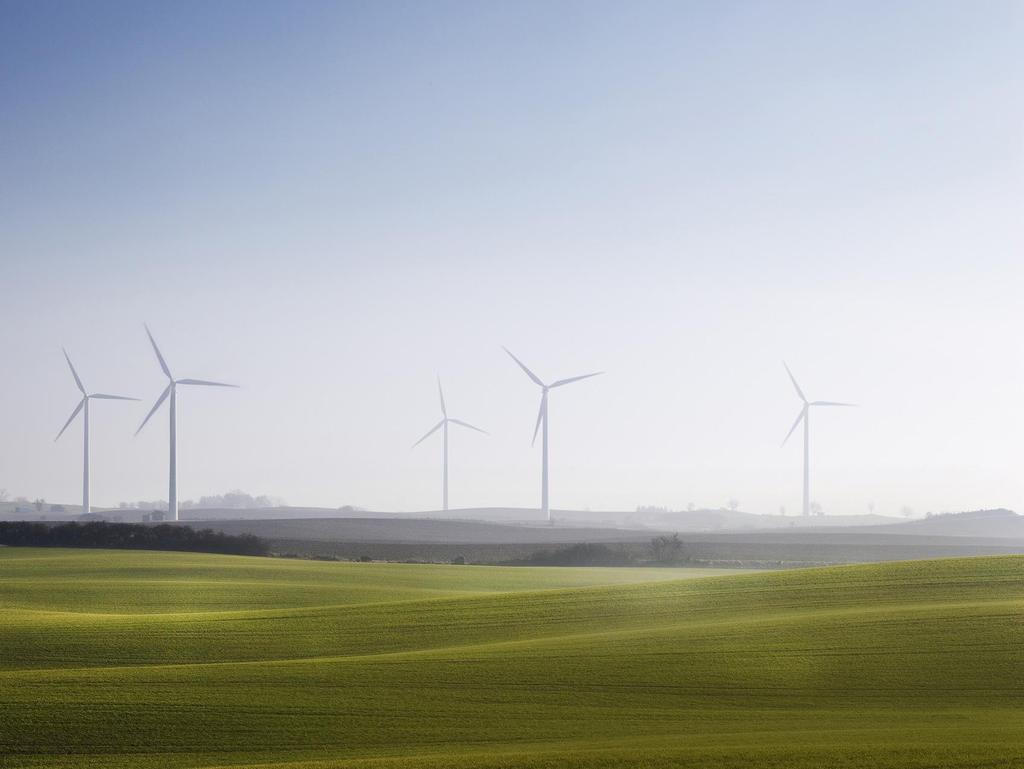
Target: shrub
x=583 y=554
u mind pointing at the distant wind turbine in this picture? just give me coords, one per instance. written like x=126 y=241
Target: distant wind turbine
x=542 y=417
x=171 y=390
x=83 y=406
x=443 y=424
x=804 y=416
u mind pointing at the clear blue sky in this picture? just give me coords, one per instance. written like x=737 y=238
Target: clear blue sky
x=331 y=202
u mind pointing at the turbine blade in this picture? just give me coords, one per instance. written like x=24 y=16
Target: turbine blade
x=799 y=417
x=152 y=411
x=104 y=396
x=570 y=380
x=523 y=367
x=441 y=393
x=541 y=414
x=74 y=373
x=430 y=432
x=793 y=380
x=159 y=357
x=467 y=424
x=203 y=382
x=71 y=419
x=831 y=403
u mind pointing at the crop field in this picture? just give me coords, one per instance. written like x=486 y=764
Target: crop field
x=122 y=659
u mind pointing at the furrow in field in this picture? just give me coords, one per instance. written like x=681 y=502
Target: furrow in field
x=899 y=666
x=994 y=609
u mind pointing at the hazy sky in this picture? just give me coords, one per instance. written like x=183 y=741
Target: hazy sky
x=330 y=203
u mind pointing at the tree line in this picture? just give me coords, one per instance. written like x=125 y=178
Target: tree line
x=234 y=500
x=130 y=536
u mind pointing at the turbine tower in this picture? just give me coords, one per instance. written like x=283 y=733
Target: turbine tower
x=542 y=417
x=83 y=405
x=804 y=416
x=171 y=390
x=443 y=424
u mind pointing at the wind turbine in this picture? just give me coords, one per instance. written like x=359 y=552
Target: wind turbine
x=542 y=416
x=443 y=424
x=172 y=390
x=83 y=405
x=805 y=415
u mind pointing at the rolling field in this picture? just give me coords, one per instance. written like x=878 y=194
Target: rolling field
x=117 y=659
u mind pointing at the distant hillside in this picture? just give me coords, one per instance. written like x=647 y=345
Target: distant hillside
x=691 y=520
x=422 y=539
x=735 y=520
x=275 y=513
x=423 y=531
x=1000 y=523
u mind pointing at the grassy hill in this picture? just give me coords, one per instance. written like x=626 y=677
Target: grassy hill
x=999 y=523
x=115 y=659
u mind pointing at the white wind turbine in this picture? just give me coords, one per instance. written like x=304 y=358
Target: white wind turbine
x=443 y=424
x=804 y=415
x=542 y=417
x=83 y=405
x=171 y=390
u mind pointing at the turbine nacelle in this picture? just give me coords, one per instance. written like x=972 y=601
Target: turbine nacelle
x=807 y=404
x=542 y=418
x=86 y=396
x=172 y=383
x=542 y=414
x=170 y=390
x=804 y=417
x=445 y=419
x=83 y=407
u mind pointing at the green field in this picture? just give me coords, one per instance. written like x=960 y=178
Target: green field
x=115 y=659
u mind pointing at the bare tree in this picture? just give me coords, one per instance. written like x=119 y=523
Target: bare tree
x=817 y=509
x=3 y=495
x=734 y=504
x=666 y=549
x=906 y=511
